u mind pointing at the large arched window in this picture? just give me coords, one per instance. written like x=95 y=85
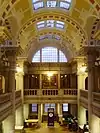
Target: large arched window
x=49 y=54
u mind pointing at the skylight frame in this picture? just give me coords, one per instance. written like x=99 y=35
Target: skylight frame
x=50 y=24
x=49 y=36
x=63 y=4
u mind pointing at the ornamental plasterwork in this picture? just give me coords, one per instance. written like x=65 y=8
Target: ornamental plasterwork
x=85 y=14
x=19 y=15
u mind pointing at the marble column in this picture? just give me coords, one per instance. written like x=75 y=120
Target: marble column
x=19 y=116
x=81 y=85
x=60 y=114
x=7 y=125
x=39 y=113
x=26 y=111
x=91 y=86
x=12 y=61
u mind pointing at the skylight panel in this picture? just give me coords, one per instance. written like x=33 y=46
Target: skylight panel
x=64 y=5
x=41 y=24
x=69 y=1
x=38 y=5
x=59 y=24
x=50 y=23
x=57 y=37
x=42 y=37
x=51 y=3
x=33 y=1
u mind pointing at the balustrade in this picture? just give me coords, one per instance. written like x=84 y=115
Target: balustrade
x=70 y=91
x=18 y=94
x=30 y=92
x=4 y=98
x=50 y=92
x=84 y=93
x=96 y=97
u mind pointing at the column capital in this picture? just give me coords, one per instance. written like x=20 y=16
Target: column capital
x=94 y=51
x=11 y=50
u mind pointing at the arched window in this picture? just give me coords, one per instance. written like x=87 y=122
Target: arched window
x=49 y=54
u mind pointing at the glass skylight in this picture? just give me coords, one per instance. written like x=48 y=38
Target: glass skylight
x=49 y=54
x=65 y=4
x=49 y=36
x=50 y=24
x=51 y=3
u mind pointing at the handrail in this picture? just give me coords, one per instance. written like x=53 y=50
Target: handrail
x=96 y=97
x=84 y=93
x=18 y=93
x=52 y=92
x=5 y=98
x=70 y=91
x=30 y=92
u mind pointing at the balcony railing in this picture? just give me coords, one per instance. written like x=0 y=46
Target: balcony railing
x=96 y=97
x=4 y=98
x=70 y=91
x=52 y=92
x=84 y=93
x=30 y=92
x=18 y=94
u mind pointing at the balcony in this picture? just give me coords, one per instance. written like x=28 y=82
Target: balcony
x=96 y=103
x=5 y=105
x=84 y=98
x=50 y=95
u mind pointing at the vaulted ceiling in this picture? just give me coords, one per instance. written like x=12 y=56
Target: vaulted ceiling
x=80 y=20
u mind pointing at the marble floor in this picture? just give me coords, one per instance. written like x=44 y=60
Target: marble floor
x=45 y=129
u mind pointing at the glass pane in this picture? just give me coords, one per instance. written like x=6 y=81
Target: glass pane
x=50 y=23
x=51 y=3
x=65 y=107
x=49 y=54
x=57 y=37
x=60 y=22
x=41 y=22
x=64 y=5
x=36 y=57
x=59 y=26
x=33 y=1
x=38 y=5
x=68 y=1
x=40 y=26
x=62 y=57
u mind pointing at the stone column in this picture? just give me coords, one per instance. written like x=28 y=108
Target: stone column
x=91 y=86
x=7 y=125
x=73 y=109
x=26 y=111
x=19 y=116
x=81 y=85
x=39 y=114
x=60 y=112
x=95 y=124
x=59 y=80
x=40 y=81
x=6 y=76
x=12 y=60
